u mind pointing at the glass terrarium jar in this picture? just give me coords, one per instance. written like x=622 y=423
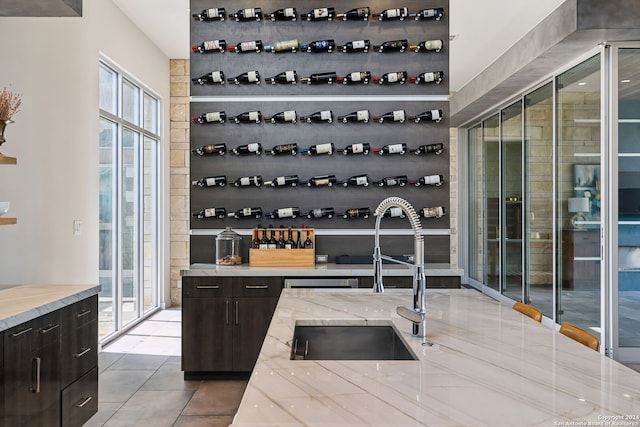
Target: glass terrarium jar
x=228 y=246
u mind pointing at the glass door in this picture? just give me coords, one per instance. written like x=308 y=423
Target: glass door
x=626 y=277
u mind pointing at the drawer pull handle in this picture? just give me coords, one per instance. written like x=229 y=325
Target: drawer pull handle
x=237 y=312
x=227 y=311
x=22 y=332
x=256 y=287
x=35 y=363
x=49 y=329
x=83 y=313
x=82 y=353
x=83 y=402
x=208 y=287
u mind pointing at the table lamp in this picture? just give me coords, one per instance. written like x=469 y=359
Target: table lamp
x=578 y=206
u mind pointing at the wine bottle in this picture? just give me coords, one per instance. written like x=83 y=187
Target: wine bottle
x=431 y=115
x=248 y=117
x=214 y=14
x=283 y=46
x=320 y=46
x=247 y=47
x=427 y=46
x=264 y=242
x=433 y=212
x=281 y=244
x=272 y=237
x=321 y=212
x=255 y=244
x=392 y=46
x=355 y=46
x=250 y=14
x=356 y=180
x=210 y=46
x=394 y=213
x=253 y=148
x=322 y=181
x=319 y=116
x=436 y=180
x=212 y=117
x=284 y=181
x=357 y=213
x=211 y=213
x=246 y=213
x=326 y=148
x=291 y=149
x=388 y=14
x=392 y=181
x=425 y=14
x=289 y=116
x=289 y=243
x=357 y=14
x=252 y=77
x=214 y=77
x=429 y=148
x=328 y=78
x=292 y=212
x=395 y=77
x=299 y=242
x=393 y=116
x=308 y=243
x=356 y=77
x=290 y=77
x=430 y=77
x=211 y=181
x=248 y=181
x=356 y=116
x=285 y=14
x=210 y=149
x=399 y=148
x=320 y=14
x=359 y=148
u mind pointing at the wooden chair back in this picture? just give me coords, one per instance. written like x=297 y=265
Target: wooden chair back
x=580 y=335
x=528 y=310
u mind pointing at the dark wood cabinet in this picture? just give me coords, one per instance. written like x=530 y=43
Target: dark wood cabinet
x=44 y=357
x=224 y=322
x=581 y=259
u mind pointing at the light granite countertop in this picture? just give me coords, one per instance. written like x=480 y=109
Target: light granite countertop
x=21 y=303
x=488 y=366
x=319 y=270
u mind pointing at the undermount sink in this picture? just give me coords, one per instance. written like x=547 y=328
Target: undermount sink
x=348 y=342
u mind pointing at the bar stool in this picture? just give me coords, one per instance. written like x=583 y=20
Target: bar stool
x=580 y=335
x=528 y=310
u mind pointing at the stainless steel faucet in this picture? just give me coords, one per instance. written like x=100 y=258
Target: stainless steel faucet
x=418 y=315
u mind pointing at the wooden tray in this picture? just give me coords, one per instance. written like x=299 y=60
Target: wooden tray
x=285 y=257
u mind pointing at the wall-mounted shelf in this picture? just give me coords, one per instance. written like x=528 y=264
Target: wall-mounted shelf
x=8 y=221
x=6 y=160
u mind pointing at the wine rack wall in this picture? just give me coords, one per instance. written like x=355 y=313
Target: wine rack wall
x=305 y=99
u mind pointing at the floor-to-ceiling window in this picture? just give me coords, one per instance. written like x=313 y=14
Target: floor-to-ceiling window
x=129 y=159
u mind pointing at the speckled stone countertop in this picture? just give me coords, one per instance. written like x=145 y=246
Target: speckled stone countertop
x=21 y=303
x=319 y=270
x=488 y=366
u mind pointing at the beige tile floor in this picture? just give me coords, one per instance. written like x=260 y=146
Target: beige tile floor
x=141 y=384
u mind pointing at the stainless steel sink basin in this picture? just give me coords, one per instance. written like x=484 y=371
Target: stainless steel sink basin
x=348 y=342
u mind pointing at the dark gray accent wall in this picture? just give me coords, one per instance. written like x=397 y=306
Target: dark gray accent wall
x=306 y=99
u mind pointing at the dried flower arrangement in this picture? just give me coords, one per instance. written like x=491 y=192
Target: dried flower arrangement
x=9 y=104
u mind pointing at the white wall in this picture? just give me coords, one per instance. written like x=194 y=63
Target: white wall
x=54 y=63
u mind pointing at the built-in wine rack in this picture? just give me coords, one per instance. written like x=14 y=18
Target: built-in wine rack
x=342 y=99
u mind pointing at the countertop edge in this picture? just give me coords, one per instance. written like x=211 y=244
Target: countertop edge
x=39 y=300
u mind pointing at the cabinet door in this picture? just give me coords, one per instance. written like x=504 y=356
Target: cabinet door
x=251 y=318
x=18 y=374
x=45 y=411
x=206 y=334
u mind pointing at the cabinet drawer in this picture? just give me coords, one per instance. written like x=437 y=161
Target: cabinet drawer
x=41 y=331
x=80 y=400
x=198 y=287
x=79 y=352
x=79 y=314
x=257 y=286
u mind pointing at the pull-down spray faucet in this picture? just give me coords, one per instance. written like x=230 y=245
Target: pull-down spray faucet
x=418 y=315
